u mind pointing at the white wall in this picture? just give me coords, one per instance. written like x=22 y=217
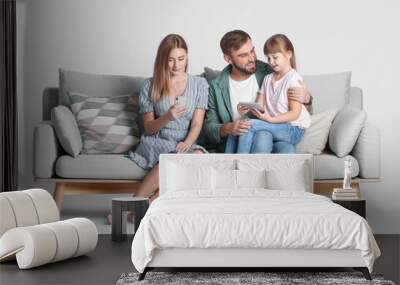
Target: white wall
x=121 y=37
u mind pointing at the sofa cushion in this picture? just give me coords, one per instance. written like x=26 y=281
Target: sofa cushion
x=107 y=124
x=345 y=130
x=46 y=150
x=328 y=166
x=67 y=130
x=98 y=166
x=96 y=84
x=328 y=90
x=367 y=151
x=210 y=74
x=316 y=136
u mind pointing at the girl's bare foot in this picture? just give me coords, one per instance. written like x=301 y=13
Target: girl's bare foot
x=130 y=217
x=153 y=196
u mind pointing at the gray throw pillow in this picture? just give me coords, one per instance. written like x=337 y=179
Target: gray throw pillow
x=107 y=124
x=104 y=85
x=211 y=74
x=67 y=130
x=328 y=90
x=345 y=130
x=316 y=136
x=98 y=85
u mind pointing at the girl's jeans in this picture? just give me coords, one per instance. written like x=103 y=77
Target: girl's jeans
x=265 y=137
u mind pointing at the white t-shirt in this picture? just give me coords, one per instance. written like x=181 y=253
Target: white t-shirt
x=242 y=91
x=276 y=98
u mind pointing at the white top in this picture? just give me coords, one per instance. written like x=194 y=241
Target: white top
x=242 y=91
x=276 y=98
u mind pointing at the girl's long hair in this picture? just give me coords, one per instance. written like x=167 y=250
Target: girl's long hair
x=279 y=43
x=160 y=83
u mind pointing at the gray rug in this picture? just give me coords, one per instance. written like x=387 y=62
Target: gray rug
x=242 y=278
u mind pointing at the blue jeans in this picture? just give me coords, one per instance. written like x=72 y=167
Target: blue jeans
x=264 y=137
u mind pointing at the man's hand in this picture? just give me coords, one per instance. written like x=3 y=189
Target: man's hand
x=182 y=147
x=238 y=127
x=299 y=94
x=176 y=112
x=242 y=110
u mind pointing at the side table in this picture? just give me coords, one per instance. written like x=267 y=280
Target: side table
x=357 y=206
x=137 y=205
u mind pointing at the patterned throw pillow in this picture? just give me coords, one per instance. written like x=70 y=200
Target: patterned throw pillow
x=106 y=124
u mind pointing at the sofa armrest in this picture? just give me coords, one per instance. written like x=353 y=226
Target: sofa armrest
x=367 y=151
x=46 y=150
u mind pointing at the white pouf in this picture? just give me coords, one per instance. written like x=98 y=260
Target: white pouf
x=31 y=232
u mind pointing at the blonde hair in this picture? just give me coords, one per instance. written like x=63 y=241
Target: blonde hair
x=280 y=43
x=160 y=83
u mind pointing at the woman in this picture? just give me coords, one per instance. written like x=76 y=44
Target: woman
x=169 y=127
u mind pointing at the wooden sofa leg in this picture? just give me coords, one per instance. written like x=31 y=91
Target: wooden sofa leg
x=58 y=195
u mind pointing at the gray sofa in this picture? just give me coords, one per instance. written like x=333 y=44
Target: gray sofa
x=51 y=163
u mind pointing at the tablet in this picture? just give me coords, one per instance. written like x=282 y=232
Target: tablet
x=251 y=105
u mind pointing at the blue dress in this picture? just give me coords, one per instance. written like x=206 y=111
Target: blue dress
x=147 y=153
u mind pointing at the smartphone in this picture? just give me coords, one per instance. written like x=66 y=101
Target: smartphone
x=180 y=101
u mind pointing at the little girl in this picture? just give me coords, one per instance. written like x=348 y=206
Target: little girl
x=285 y=119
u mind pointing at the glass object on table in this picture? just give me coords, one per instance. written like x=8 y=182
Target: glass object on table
x=347 y=174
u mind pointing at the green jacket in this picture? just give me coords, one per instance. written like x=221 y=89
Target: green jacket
x=219 y=105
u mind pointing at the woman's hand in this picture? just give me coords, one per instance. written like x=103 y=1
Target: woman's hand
x=262 y=115
x=176 y=112
x=242 y=110
x=182 y=147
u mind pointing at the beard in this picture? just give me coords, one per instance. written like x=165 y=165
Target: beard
x=244 y=70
